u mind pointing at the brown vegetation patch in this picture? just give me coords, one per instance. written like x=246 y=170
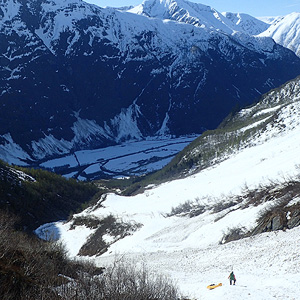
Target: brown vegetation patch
x=109 y=225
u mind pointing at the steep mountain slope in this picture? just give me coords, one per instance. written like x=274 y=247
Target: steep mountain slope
x=246 y=23
x=235 y=133
x=251 y=126
x=250 y=184
x=76 y=76
x=285 y=31
x=36 y=196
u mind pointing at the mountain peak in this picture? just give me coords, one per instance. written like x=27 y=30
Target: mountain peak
x=183 y=11
x=166 y=8
x=246 y=23
x=286 y=32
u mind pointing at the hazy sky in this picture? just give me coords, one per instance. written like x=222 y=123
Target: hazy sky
x=256 y=8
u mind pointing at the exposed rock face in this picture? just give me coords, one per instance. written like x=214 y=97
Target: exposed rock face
x=294 y=219
x=287 y=218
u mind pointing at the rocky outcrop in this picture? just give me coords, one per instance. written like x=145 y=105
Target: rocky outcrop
x=286 y=218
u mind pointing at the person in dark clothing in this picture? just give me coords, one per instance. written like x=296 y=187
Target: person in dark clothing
x=232 y=278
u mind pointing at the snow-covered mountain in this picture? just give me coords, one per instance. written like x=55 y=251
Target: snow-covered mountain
x=246 y=23
x=183 y=11
x=181 y=228
x=76 y=76
x=270 y=20
x=200 y=15
x=286 y=32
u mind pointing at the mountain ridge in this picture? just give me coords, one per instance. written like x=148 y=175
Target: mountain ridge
x=76 y=76
x=285 y=31
x=200 y=15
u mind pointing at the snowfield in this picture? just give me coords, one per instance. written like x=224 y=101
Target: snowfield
x=190 y=250
x=266 y=267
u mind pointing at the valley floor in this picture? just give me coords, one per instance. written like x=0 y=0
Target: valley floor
x=127 y=159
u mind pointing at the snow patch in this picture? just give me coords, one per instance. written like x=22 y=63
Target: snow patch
x=85 y=130
x=10 y=9
x=11 y=152
x=126 y=124
x=49 y=145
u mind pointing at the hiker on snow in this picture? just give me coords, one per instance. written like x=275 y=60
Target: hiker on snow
x=232 y=278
